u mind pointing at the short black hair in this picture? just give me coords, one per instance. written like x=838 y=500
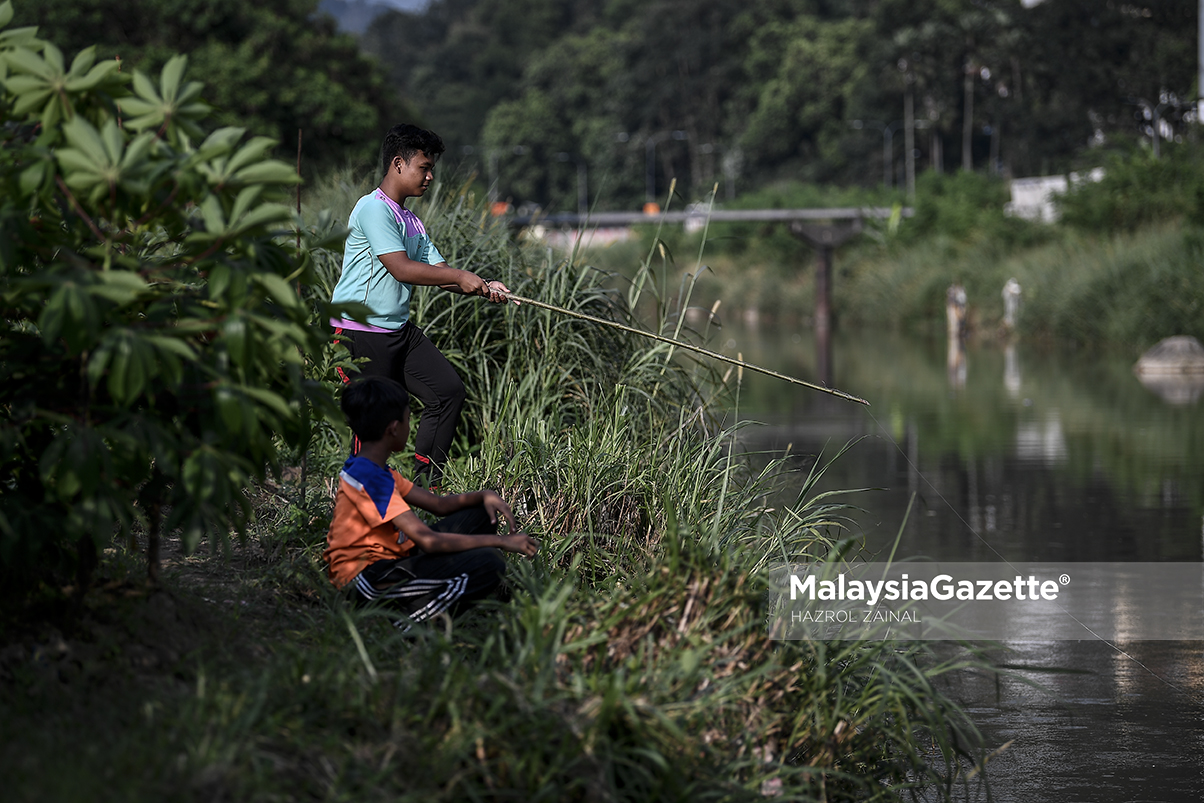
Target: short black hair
x=372 y=403
x=405 y=140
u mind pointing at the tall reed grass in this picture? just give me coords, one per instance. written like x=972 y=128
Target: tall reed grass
x=1122 y=291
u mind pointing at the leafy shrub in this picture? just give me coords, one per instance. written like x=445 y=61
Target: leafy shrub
x=154 y=343
x=272 y=67
x=965 y=207
x=1137 y=190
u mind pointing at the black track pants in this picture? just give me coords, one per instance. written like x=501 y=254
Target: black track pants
x=423 y=585
x=409 y=356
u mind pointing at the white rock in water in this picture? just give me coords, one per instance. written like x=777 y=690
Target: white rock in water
x=1174 y=355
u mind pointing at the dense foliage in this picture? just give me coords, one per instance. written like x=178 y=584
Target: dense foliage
x=271 y=67
x=785 y=88
x=1138 y=190
x=153 y=343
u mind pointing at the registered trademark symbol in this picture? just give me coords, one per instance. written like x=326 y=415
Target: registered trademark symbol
x=1064 y=579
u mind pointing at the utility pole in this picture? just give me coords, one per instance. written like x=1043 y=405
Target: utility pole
x=650 y=161
x=909 y=127
x=909 y=135
x=968 y=115
x=582 y=181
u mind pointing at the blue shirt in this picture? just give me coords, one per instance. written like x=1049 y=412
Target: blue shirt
x=380 y=226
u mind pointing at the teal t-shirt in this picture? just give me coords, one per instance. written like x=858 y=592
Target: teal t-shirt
x=381 y=226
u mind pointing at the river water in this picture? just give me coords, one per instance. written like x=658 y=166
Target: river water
x=1007 y=452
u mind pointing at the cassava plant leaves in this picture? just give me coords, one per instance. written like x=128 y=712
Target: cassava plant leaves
x=150 y=286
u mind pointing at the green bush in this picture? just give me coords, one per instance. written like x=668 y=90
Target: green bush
x=1129 y=290
x=656 y=683
x=1138 y=190
x=965 y=208
x=276 y=67
x=154 y=343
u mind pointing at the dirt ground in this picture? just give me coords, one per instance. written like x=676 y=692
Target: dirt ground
x=83 y=678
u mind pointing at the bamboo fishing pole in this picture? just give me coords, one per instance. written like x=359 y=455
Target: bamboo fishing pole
x=679 y=344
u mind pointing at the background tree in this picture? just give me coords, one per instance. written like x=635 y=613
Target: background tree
x=460 y=58
x=573 y=97
x=809 y=72
x=1084 y=66
x=776 y=82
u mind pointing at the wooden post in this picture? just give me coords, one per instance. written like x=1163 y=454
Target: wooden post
x=823 y=314
x=824 y=238
x=823 y=289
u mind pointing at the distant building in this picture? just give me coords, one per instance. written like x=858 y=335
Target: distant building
x=1033 y=198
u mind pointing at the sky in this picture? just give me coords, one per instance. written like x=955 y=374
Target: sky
x=404 y=5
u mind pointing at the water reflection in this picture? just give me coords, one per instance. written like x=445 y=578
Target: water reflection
x=1070 y=465
x=1181 y=390
x=955 y=363
x=1042 y=441
x=1174 y=369
x=1011 y=370
x=1024 y=455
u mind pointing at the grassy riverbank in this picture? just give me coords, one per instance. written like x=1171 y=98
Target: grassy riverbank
x=631 y=664
x=1126 y=290
x=1121 y=270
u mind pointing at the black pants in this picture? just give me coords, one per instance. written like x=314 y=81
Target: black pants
x=409 y=356
x=423 y=585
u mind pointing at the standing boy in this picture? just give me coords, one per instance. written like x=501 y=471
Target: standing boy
x=387 y=253
x=380 y=551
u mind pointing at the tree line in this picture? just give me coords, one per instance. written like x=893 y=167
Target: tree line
x=535 y=96
x=530 y=92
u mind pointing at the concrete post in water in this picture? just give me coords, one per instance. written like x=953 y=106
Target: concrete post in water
x=823 y=289
x=955 y=311
x=824 y=238
x=823 y=313
x=1011 y=303
x=955 y=317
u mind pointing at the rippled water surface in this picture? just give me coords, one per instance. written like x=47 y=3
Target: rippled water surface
x=1019 y=454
